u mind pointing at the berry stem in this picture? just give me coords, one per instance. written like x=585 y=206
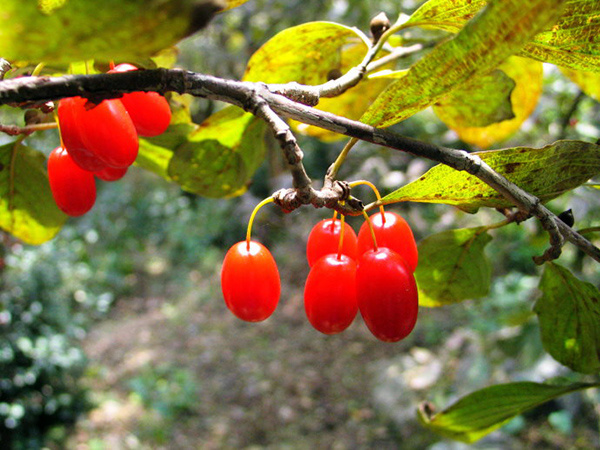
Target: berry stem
x=341 y=241
x=256 y=208
x=371 y=229
x=377 y=195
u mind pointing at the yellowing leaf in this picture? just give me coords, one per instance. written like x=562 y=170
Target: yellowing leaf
x=234 y=4
x=544 y=172
x=588 y=82
x=27 y=208
x=75 y=30
x=449 y=15
x=501 y=29
x=482 y=102
x=453 y=267
x=305 y=54
x=528 y=76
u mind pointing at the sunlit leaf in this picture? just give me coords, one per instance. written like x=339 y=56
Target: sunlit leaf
x=573 y=41
x=528 y=76
x=545 y=172
x=27 y=208
x=449 y=15
x=588 y=82
x=453 y=267
x=482 y=102
x=569 y=315
x=233 y=4
x=501 y=29
x=481 y=412
x=305 y=53
x=219 y=158
x=73 y=30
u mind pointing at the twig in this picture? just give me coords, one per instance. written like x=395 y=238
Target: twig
x=14 y=130
x=242 y=94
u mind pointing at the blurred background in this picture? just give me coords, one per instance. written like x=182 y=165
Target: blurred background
x=114 y=335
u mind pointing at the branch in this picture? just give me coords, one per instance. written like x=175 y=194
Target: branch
x=244 y=95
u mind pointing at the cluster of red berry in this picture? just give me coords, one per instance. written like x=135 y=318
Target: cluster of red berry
x=100 y=140
x=371 y=273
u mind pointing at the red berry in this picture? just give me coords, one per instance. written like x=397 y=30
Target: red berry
x=71 y=137
x=149 y=111
x=107 y=131
x=250 y=281
x=387 y=294
x=324 y=239
x=330 y=294
x=73 y=189
x=111 y=173
x=394 y=233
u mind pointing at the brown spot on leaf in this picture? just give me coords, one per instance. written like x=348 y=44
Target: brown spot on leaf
x=511 y=167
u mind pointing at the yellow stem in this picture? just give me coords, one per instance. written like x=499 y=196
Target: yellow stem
x=260 y=205
x=371 y=230
x=377 y=195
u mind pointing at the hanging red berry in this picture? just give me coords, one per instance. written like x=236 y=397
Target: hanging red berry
x=393 y=233
x=149 y=111
x=324 y=239
x=330 y=294
x=73 y=189
x=387 y=294
x=250 y=281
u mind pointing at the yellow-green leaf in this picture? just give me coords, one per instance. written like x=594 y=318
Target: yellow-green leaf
x=482 y=102
x=234 y=3
x=588 y=82
x=453 y=267
x=27 y=208
x=528 y=76
x=544 y=172
x=569 y=315
x=305 y=54
x=73 y=30
x=501 y=30
x=219 y=158
x=481 y=412
x=574 y=41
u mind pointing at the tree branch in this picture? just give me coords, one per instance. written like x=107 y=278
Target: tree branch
x=244 y=95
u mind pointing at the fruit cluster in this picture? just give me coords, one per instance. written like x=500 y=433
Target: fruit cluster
x=371 y=273
x=100 y=140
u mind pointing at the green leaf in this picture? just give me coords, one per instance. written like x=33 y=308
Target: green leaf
x=449 y=15
x=574 y=41
x=483 y=411
x=453 y=267
x=27 y=208
x=61 y=31
x=501 y=29
x=528 y=76
x=569 y=315
x=305 y=53
x=546 y=172
x=219 y=158
x=483 y=101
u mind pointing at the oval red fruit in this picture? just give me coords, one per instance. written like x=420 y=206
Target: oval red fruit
x=393 y=233
x=330 y=294
x=387 y=294
x=149 y=111
x=324 y=239
x=68 y=110
x=250 y=281
x=73 y=189
x=107 y=130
